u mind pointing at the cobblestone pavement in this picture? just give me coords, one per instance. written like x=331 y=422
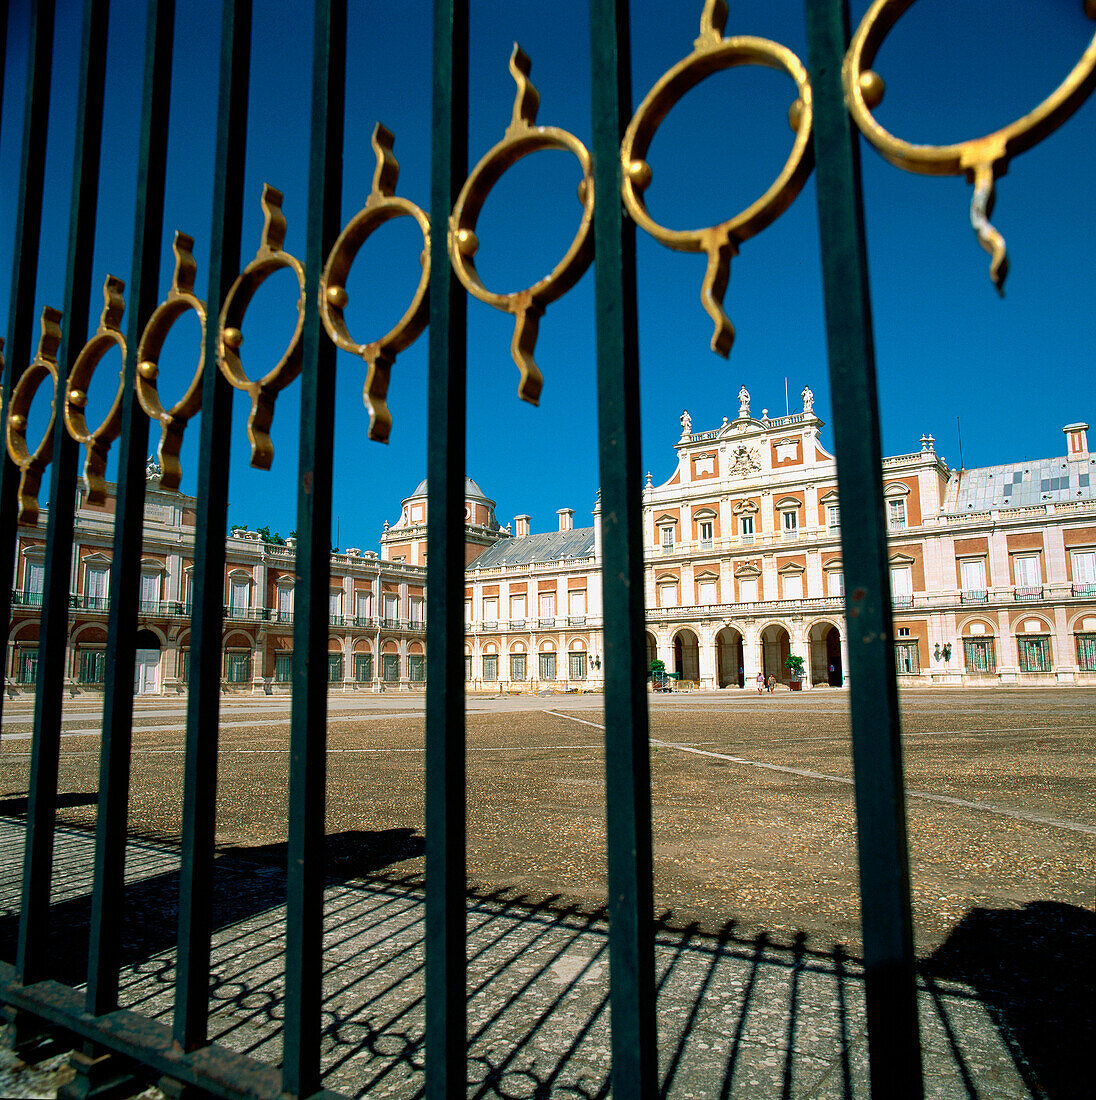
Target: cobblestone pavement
x=743 y=1009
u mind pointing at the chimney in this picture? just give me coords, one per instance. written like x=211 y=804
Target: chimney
x=566 y=518
x=1076 y=440
x=521 y=526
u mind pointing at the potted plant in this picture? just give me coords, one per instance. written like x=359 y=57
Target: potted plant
x=794 y=665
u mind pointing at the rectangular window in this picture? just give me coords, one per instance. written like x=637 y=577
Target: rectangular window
x=93 y=663
x=184 y=666
x=285 y=603
x=979 y=656
x=833 y=516
x=490 y=611
x=1034 y=654
x=972 y=580
x=789 y=523
x=706 y=592
x=238 y=668
x=793 y=586
x=1084 y=567
x=746 y=528
x=547 y=608
x=240 y=595
x=391 y=609
x=906 y=658
x=418 y=611
x=517 y=666
x=576 y=666
x=835 y=583
x=706 y=531
x=490 y=666
x=667 y=540
x=747 y=589
x=667 y=595
x=467 y=612
x=96 y=580
x=1026 y=569
x=28 y=666
x=416 y=667
x=577 y=608
x=149 y=593
x=896 y=514
x=902 y=586
x=335 y=598
x=363 y=604
x=283 y=668
x=34 y=578
x=390 y=668
x=517 y=608
x=547 y=666
x=468 y=666
x=363 y=667
x=1086 y=652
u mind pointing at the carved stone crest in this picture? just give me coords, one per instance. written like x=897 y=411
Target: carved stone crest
x=745 y=461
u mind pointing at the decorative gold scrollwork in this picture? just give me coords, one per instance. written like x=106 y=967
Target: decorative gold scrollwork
x=263 y=391
x=98 y=442
x=982 y=160
x=33 y=464
x=174 y=421
x=522 y=137
x=713 y=53
x=380 y=355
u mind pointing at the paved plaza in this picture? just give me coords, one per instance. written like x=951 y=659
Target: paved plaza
x=760 y=990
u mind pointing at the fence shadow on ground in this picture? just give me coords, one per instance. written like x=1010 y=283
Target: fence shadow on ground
x=1003 y=1011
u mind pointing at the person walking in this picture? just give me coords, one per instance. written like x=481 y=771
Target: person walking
x=760 y=682
x=771 y=683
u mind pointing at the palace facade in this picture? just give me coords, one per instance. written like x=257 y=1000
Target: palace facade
x=993 y=575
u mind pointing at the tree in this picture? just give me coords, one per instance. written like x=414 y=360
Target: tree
x=794 y=664
x=658 y=666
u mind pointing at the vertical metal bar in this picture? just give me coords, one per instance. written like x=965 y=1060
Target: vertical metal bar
x=204 y=687
x=3 y=53
x=107 y=902
x=53 y=639
x=42 y=788
x=24 y=275
x=446 y=918
x=891 y=994
x=308 y=714
x=627 y=747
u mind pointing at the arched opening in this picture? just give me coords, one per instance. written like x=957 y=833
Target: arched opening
x=824 y=645
x=146 y=669
x=776 y=644
x=652 y=649
x=687 y=656
x=729 y=658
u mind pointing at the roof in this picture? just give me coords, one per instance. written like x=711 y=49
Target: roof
x=551 y=546
x=471 y=489
x=1020 y=485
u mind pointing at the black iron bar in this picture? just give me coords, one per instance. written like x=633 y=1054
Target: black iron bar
x=53 y=637
x=890 y=981
x=627 y=743
x=108 y=895
x=446 y=917
x=308 y=710
x=42 y=785
x=24 y=275
x=204 y=677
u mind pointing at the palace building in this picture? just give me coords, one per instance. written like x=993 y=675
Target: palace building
x=993 y=577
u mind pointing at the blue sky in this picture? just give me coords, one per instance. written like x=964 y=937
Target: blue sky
x=1015 y=371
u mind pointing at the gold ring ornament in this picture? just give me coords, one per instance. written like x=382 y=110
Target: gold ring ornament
x=263 y=391
x=522 y=137
x=712 y=53
x=107 y=336
x=33 y=464
x=173 y=421
x=982 y=160
x=380 y=355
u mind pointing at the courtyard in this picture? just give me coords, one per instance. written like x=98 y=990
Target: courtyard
x=755 y=865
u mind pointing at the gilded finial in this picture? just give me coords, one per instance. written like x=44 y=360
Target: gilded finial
x=527 y=100
x=387 y=172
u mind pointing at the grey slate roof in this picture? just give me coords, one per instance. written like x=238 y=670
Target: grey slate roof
x=551 y=546
x=1020 y=485
x=471 y=489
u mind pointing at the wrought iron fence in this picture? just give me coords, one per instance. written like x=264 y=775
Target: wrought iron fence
x=835 y=98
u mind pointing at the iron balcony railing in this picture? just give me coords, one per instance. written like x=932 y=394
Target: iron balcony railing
x=1028 y=593
x=974 y=595
x=1083 y=590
